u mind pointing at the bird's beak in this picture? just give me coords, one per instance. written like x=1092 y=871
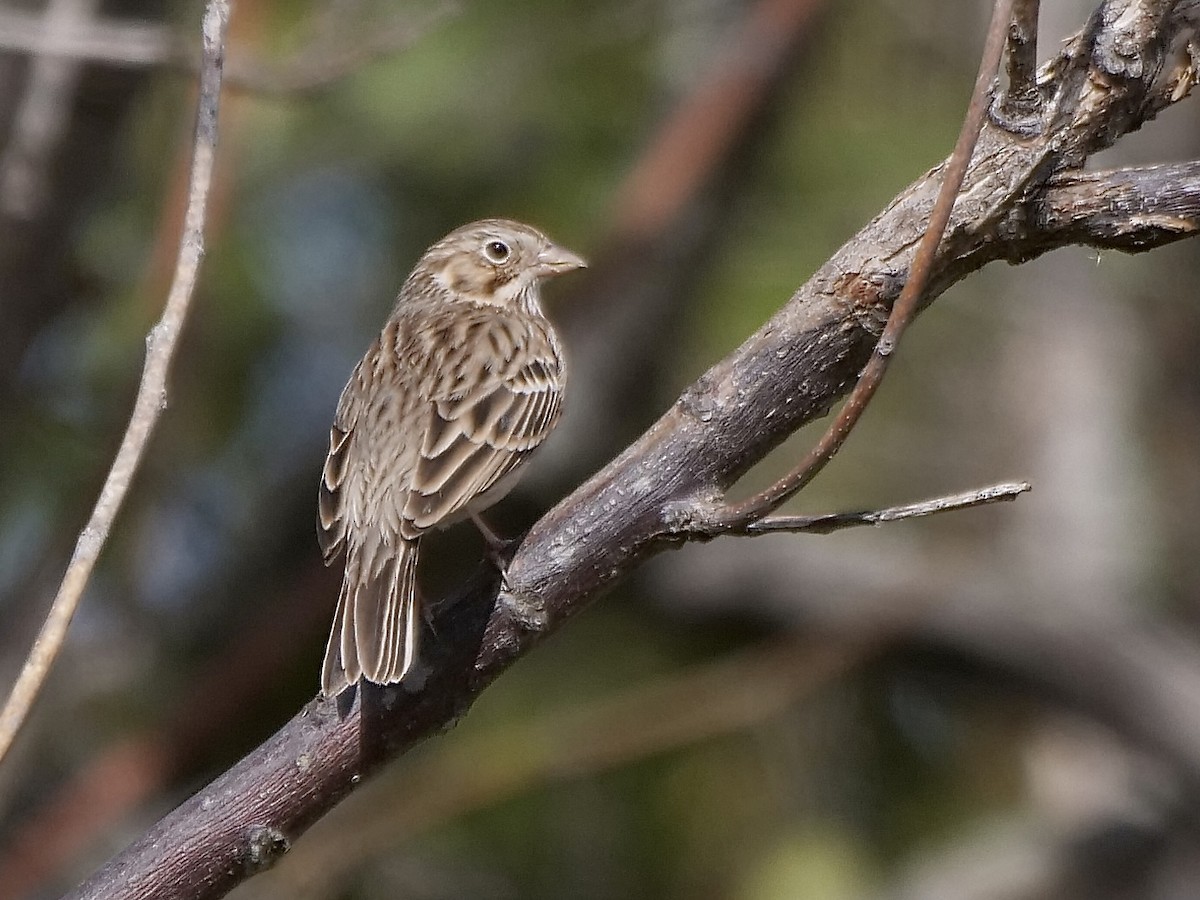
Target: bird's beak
x=554 y=260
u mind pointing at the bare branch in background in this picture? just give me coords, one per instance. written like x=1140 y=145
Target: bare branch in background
x=111 y=41
x=152 y=392
x=42 y=115
x=341 y=47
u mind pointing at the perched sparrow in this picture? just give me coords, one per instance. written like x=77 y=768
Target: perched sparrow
x=464 y=382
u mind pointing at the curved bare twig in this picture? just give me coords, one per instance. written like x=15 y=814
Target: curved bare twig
x=152 y=392
x=736 y=517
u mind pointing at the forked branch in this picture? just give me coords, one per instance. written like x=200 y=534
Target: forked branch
x=736 y=517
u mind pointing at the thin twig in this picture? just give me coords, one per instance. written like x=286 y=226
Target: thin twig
x=736 y=516
x=152 y=392
x=825 y=523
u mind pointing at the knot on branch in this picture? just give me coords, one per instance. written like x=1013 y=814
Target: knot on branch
x=265 y=844
x=870 y=296
x=1130 y=43
x=700 y=401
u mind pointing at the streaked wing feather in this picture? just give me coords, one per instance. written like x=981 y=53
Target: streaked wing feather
x=331 y=516
x=331 y=524
x=533 y=422
x=476 y=439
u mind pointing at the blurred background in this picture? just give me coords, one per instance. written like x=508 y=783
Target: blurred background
x=998 y=703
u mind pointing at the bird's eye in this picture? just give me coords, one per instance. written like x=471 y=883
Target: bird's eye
x=496 y=251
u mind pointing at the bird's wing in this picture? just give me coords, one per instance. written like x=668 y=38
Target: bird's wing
x=477 y=435
x=367 y=462
x=331 y=518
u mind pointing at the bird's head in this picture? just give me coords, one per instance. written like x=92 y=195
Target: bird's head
x=496 y=261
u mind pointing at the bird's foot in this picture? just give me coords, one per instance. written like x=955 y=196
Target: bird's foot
x=499 y=551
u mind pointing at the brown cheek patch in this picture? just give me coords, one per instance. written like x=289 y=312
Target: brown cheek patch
x=494 y=281
x=475 y=280
x=460 y=276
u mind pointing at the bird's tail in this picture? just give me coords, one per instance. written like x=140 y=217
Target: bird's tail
x=374 y=634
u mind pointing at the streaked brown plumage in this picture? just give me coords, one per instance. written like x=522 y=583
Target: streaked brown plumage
x=464 y=382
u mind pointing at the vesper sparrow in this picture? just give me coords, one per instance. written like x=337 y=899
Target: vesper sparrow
x=463 y=383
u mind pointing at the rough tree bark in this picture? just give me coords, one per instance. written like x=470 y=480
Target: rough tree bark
x=1023 y=196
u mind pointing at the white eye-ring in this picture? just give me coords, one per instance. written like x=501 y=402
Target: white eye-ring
x=496 y=251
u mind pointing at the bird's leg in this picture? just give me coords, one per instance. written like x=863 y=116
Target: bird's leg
x=498 y=550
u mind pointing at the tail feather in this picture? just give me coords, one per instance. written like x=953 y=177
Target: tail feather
x=374 y=634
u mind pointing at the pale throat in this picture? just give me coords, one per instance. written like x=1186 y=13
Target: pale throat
x=519 y=293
